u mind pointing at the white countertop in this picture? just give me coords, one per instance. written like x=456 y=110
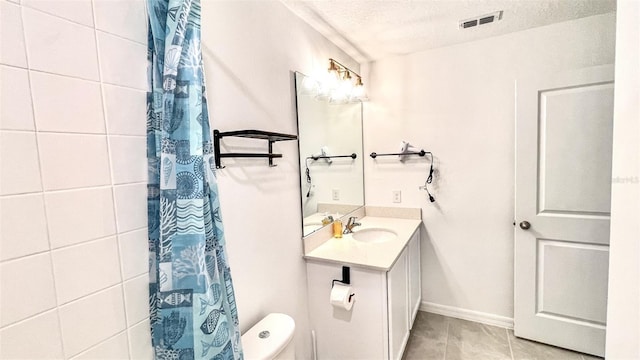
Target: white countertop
x=312 y=223
x=379 y=256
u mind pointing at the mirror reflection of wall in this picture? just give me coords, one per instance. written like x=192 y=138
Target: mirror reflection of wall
x=330 y=186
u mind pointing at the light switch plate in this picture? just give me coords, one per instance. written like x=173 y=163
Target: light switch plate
x=335 y=194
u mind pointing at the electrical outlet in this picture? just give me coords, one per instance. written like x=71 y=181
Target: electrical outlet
x=335 y=194
x=397 y=196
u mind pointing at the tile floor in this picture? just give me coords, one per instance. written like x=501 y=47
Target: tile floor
x=445 y=338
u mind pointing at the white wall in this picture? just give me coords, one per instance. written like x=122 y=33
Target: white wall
x=250 y=50
x=623 y=308
x=458 y=102
x=73 y=180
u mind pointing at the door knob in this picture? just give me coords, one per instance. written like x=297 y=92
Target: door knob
x=525 y=225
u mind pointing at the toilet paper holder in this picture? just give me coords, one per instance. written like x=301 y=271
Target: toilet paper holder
x=346 y=276
x=346 y=279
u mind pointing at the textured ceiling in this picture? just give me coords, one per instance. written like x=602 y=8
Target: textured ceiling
x=369 y=30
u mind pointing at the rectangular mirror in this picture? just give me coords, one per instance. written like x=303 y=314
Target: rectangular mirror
x=331 y=156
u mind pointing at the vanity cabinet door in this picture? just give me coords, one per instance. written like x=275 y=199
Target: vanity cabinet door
x=360 y=333
x=398 y=306
x=415 y=282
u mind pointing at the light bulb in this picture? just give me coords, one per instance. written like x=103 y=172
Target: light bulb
x=338 y=98
x=357 y=93
x=340 y=95
x=332 y=79
x=325 y=87
x=333 y=75
x=310 y=86
x=323 y=93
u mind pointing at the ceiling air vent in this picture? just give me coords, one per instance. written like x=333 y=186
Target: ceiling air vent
x=480 y=20
x=468 y=24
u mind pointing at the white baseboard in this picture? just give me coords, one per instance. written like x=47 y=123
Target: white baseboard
x=465 y=314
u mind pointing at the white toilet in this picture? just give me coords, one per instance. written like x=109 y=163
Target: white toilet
x=270 y=339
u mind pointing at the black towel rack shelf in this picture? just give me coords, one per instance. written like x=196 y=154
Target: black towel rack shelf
x=271 y=137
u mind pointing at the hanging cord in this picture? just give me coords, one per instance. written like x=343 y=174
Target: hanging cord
x=429 y=179
x=306 y=172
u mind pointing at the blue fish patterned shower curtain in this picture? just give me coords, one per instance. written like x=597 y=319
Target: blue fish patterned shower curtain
x=192 y=306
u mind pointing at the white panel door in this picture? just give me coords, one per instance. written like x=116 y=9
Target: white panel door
x=564 y=127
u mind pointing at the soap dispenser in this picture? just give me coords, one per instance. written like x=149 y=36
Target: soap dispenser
x=327 y=219
x=337 y=227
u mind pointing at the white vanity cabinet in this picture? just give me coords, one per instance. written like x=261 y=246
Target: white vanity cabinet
x=385 y=304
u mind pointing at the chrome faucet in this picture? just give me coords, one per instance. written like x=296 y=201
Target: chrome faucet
x=348 y=229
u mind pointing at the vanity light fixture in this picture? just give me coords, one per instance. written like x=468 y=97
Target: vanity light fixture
x=333 y=69
x=339 y=85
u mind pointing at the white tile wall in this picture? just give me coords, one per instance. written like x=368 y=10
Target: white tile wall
x=73 y=161
x=12 y=49
x=57 y=107
x=115 y=348
x=19 y=170
x=140 y=341
x=24 y=226
x=102 y=316
x=79 y=215
x=136 y=295
x=26 y=288
x=85 y=268
x=127 y=153
x=123 y=106
x=117 y=56
x=15 y=100
x=36 y=338
x=69 y=279
x=131 y=209
x=134 y=253
x=53 y=45
x=125 y=18
x=75 y=10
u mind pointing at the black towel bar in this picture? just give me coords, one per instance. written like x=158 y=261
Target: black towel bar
x=419 y=153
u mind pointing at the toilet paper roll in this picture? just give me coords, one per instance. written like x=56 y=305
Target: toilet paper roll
x=341 y=297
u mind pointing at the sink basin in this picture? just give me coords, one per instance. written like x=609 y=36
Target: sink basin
x=374 y=235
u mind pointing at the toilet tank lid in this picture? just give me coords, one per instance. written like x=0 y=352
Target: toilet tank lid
x=280 y=329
